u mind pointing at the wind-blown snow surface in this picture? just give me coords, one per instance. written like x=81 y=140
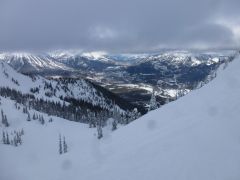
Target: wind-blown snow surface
x=196 y=137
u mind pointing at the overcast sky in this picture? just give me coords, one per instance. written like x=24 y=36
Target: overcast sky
x=118 y=25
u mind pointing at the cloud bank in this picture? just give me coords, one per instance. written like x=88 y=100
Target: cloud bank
x=118 y=26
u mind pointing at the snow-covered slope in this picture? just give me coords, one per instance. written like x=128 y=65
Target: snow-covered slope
x=77 y=92
x=196 y=137
x=67 y=54
x=27 y=62
x=79 y=89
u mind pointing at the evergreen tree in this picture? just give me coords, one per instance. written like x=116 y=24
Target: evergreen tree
x=92 y=119
x=2 y=115
x=167 y=101
x=114 y=125
x=65 y=147
x=11 y=142
x=69 y=108
x=99 y=130
x=15 y=141
x=50 y=120
x=28 y=118
x=18 y=137
x=25 y=111
x=22 y=132
x=126 y=117
x=4 y=119
x=16 y=105
x=3 y=138
x=99 y=126
x=60 y=145
x=116 y=118
x=153 y=102
x=34 y=116
x=41 y=120
x=134 y=114
x=7 y=139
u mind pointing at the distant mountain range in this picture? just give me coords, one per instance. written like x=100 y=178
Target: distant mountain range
x=132 y=76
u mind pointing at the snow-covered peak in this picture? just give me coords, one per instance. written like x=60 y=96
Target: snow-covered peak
x=95 y=55
x=27 y=62
x=190 y=58
x=15 y=54
x=64 y=54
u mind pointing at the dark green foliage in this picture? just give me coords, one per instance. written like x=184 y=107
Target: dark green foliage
x=65 y=147
x=69 y=108
x=153 y=102
x=4 y=119
x=122 y=103
x=15 y=82
x=14 y=138
x=41 y=120
x=4 y=137
x=28 y=118
x=114 y=125
x=100 y=119
x=60 y=145
x=7 y=138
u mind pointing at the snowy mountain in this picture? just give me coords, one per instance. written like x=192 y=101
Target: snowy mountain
x=78 y=98
x=75 y=60
x=131 y=76
x=171 y=73
x=195 y=137
x=29 y=63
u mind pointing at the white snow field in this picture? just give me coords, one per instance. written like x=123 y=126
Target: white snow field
x=194 y=138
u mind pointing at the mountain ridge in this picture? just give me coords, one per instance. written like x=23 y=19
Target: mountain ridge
x=195 y=137
x=78 y=96
x=133 y=77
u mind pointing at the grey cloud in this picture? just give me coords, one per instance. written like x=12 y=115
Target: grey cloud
x=114 y=25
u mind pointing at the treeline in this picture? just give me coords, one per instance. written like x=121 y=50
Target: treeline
x=13 y=138
x=71 y=109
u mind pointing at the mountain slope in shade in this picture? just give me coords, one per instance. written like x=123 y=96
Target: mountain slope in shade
x=196 y=137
